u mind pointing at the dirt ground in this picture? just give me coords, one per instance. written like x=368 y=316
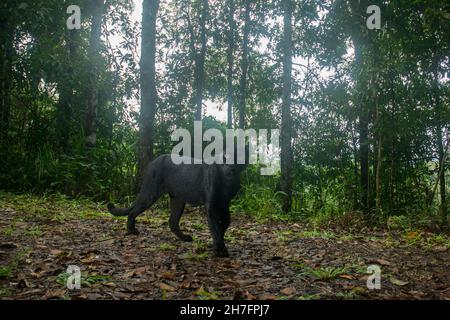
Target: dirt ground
x=270 y=260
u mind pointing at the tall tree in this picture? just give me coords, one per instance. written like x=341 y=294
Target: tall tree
x=244 y=65
x=93 y=83
x=6 y=57
x=230 y=62
x=360 y=41
x=66 y=85
x=147 y=84
x=199 y=56
x=286 y=117
x=442 y=149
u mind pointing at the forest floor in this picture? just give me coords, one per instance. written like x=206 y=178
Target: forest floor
x=40 y=237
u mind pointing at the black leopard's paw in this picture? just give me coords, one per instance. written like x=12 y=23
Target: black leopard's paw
x=221 y=253
x=133 y=232
x=187 y=238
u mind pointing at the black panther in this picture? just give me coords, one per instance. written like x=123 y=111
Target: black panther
x=212 y=185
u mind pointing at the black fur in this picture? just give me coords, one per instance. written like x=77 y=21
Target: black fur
x=211 y=185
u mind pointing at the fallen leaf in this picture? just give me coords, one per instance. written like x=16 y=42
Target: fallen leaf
x=57 y=293
x=164 y=286
x=140 y=271
x=108 y=242
x=128 y=274
x=90 y=257
x=248 y=295
x=416 y=294
x=288 y=291
x=383 y=262
x=397 y=281
x=56 y=252
x=185 y=284
x=440 y=248
x=110 y=284
x=168 y=275
x=266 y=296
x=412 y=235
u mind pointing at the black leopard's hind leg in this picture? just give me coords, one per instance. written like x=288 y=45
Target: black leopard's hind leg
x=176 y=210
x=139 y=206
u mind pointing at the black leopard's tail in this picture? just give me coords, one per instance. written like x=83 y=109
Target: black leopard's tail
x=118 y=211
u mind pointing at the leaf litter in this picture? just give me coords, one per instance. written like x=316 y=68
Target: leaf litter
x=300 y=264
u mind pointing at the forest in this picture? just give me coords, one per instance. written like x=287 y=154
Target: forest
x=91 y=92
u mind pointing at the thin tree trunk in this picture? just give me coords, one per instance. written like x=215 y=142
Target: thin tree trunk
x=364 y=149
x=359 y=40
x=65 y=89
x=230 y=64
x=63 y=116
x=286 y=117
x=442 y=151
x=94 y=57
x=244 y=66
x=378 y=171
x=355 y=170
x=200 y=63
x=441 y=166
x=6 y=56
x=147 y=84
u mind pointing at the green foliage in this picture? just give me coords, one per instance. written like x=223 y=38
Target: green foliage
x=317 y=234
x=259 y=196
x=56 y=207
x=35 y=231
x=309 y=297
x=197 y=256
x=412 y=221
x=6 y=271
x=400 y=79
x=86 y=280
x=166 y=247
x=258 y=200
x=9 y=269
x=202 y=294
x=320 y=273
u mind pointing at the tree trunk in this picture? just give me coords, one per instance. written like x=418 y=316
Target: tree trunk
x=442 y=185
x=359 y=39
x=244 y=66
x=286 y=117
x=147 y=84
x=442 y=152
x=94 y=57
x=378 y=169
x=64 y=109
x=364 y=154
x=355 y=170
x=200 y=63
x=6 y=56
x=230 y=64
